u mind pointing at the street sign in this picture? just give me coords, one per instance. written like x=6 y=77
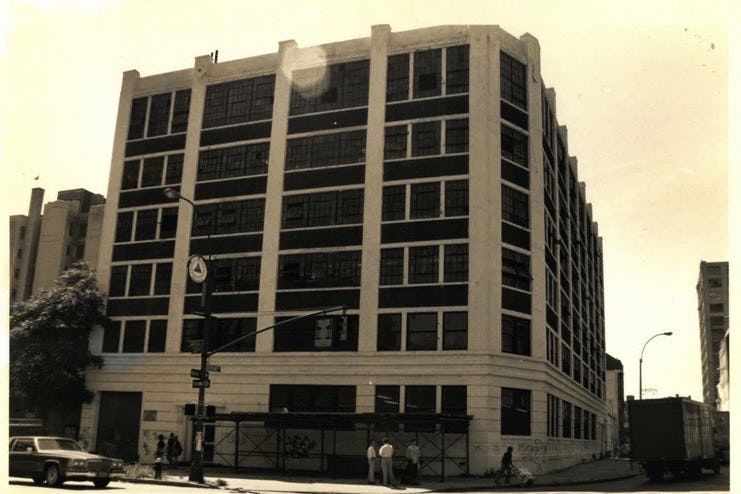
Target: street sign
x=196 y=374
x=197 y=269
x=205 y=383
x=214 y=368
x=196 y=346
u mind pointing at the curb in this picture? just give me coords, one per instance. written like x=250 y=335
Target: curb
x=170 y=483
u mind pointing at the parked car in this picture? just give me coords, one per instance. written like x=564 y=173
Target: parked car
x=56 y=459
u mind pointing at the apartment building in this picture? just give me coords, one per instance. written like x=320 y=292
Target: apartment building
x=421 y=180
x=712 y=308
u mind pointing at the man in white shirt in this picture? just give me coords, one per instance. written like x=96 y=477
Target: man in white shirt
x=387 y=462
x=372 y=462
x=413 y=462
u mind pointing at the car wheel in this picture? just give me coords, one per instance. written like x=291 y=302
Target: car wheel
x=53 y=476
x=38 y=478
x=101 y=483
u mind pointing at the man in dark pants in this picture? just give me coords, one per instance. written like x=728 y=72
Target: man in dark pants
x=506 y=468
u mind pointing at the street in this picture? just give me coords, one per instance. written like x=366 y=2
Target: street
x=707 y=483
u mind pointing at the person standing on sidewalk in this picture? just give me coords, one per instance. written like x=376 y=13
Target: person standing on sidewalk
x=371 y=453
x=506 y=469
x=412 y=462
x=387 y=462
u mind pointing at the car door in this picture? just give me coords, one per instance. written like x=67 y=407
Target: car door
x=22 y=461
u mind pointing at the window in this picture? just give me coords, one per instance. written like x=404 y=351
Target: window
x=394 y=202
x=152 y=171
x=714 y=283
x=565 y=359
x=577 y=422
x=455 y=330
x=234 y=275
x=389 y=332
x=162 y=278
x=137 y=118
x=422 y=331
x=425 y=200
x=323 y=209
x=117 y=285
x=423 y=264
x=312 y=398
x=332 y=87
x=159 y=115
x=229 y=217
x=454 y=402
x=716 y=308
x=515 y=269
x=387 y=401
x=515 y=335
x=427 y=73
x=456 y=73
x=235 y=161
x=514 y=146
x=130 y=179
x=180 y=111
x=515 y=207
x=111 y=336
x=157 y=336
x=456 y=136
x=397 y=78
x=319 y=270
x=124 y=223
x=133 y=341
x=146 y=224
x=141 y=276
x=456 y=263
x=395 y=142
x=553 y=415
x=717 y=321
x=426 y=138
x=515 y=412
x=305 y=335
x=513 y=80
x=246 y=100
x=222 y=331
x=456 y=198
x=419 y=399
x=339 y=148
x=174 y=172
x=169 y=222
x=392 y=266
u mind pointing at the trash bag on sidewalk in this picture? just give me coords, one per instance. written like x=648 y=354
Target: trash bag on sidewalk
x=523 y=474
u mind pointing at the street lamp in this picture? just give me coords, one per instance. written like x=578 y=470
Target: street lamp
x=200 y=272
x=640 y=363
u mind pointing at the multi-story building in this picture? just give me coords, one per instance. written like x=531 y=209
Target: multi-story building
x=712 y=308
x=419 y=179
x=614 y=393
x=43 y=246
x=724 y=374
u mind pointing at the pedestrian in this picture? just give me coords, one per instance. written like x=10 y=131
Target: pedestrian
x=159 y=452
x=170 y=445
x=371 y=453
x=386 y=452
x=177 y=450
x=506 y=468
x=412 y=462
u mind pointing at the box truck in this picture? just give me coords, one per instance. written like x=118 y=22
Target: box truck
x=672 y=435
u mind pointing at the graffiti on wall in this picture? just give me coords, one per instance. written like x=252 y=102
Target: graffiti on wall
x=532 y=452
x=298 y=447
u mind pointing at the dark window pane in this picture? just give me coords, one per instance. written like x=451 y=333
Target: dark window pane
x=130 y=179
x=159 y=115
x=162 y=278
x=180 y=111
x=152 y=171
x=423 y=264
x=332 y=87
x=137 y=118
x=515 y=335
x=319 y=270
x=338 y=148
x=395 y=142
x=455 y=330
x=426 y=138
x=229 y=217
x=427 y=73
x=514 y=146
x=419 y=399
x=117 y=286
x=146 y=224
x=235 y=161
x=422 y=331
x=456 y=136
x=174 y=172
x=515 y=269
x=454 y=402
x=513 y=81
x=515 y=207
x=141 y=276
x=157 y=335
x=124 y=223
x=392 y=266
x=394 y=202
x=169 y=222
x=456 y=263
x=389 y=332
x=515 y=412
x=240 y=101
x=133 y=341
x=425 y=200
x=387 y=399
x=456 y=77
x=111 y=336
x=397 y=78
x=456 y=198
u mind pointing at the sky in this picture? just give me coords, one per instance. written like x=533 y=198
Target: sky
x=643 y=88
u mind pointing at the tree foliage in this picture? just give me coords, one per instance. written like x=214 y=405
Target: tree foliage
x=48 y=346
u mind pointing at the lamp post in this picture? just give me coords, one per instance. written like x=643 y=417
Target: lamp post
x=199 y=269
x=640 y=363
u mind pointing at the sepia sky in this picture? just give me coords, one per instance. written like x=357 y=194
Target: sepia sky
x=643 y=88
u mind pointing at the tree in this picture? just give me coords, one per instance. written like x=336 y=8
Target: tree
x=48 y=346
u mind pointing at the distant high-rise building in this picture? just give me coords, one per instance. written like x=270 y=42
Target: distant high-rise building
x=43 y=246
x=614 y=397
x=712 y=307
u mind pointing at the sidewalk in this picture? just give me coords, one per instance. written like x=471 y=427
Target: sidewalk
x=583 y=473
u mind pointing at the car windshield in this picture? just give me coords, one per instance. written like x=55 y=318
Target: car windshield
x=58 y=443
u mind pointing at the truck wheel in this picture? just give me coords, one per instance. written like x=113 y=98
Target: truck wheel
x=101 y=483
x=53 y=476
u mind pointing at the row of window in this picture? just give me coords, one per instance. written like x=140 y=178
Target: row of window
x=234 y=161
x=515 y=206
x=336 y=148
x=159 y=115
x=425 y=200
x=422 y=331
x=140 y=280
x=426 y=138
x=343 y=85
x=338 y=207
x=319 y=269
x=513 y=80
x=432 y=73
x=234 y=102
x=423 y=264
x=152 y=172
x=134 y=336
x=146 y=224
x=570 y=421
x=232 y=274
x=229 y=217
